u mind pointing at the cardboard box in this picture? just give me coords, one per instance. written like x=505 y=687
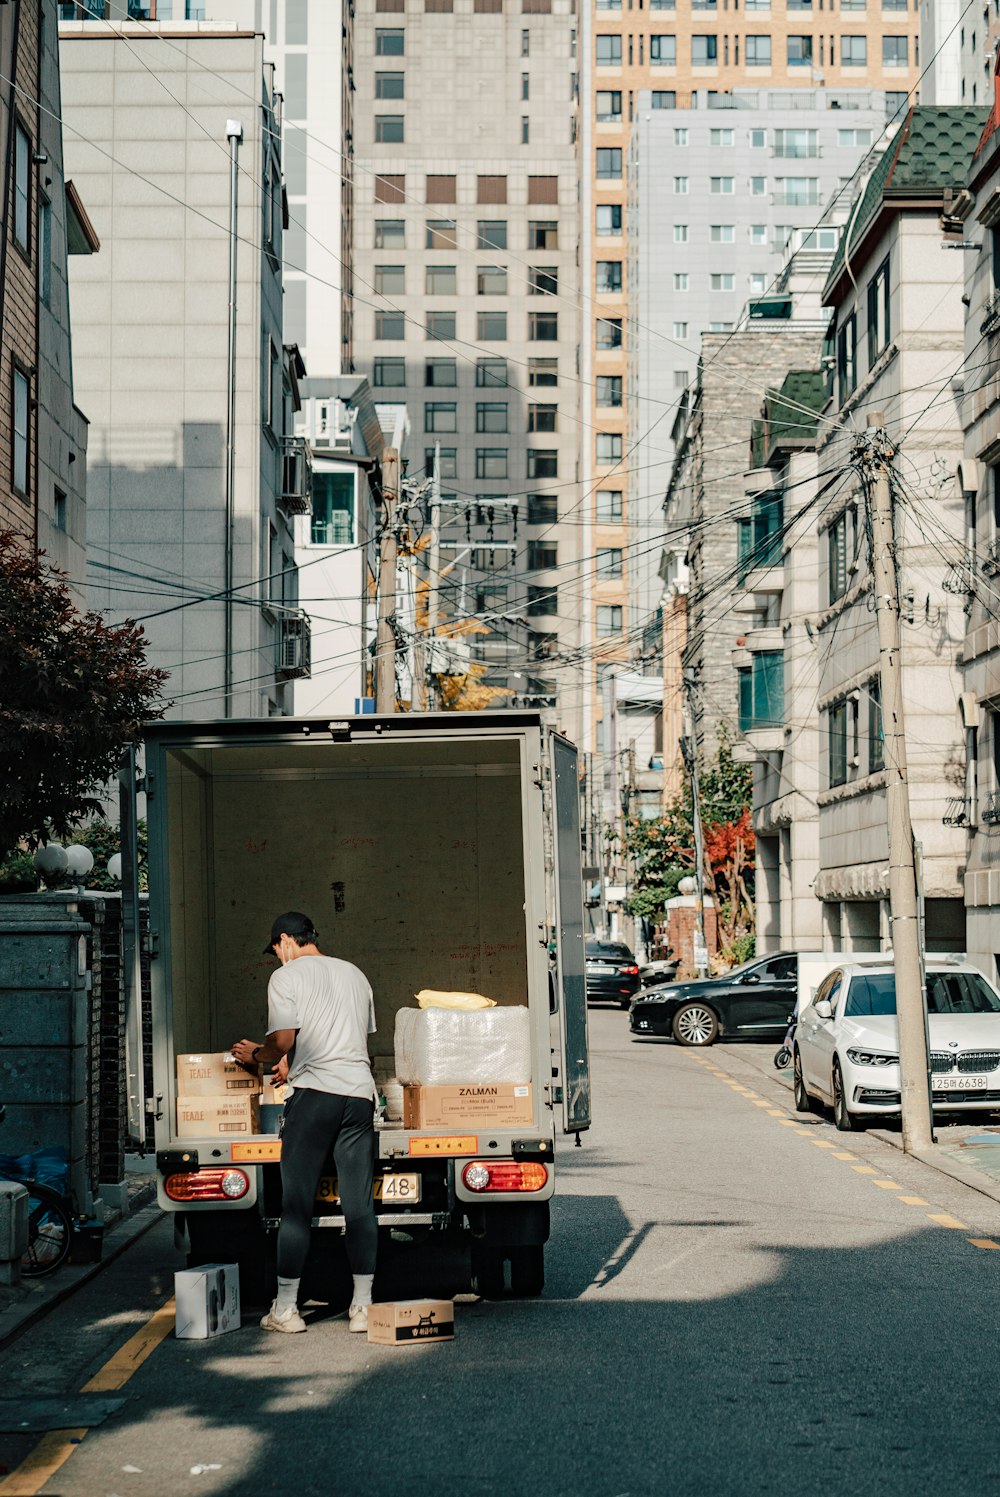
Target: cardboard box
x=214 y=1076
x=411 y=1320
x=208 y=1301
x=274 y=1096
x=218 y=1117
x=467 y=1106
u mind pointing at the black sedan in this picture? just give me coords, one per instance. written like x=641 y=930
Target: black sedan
x=612 y=972
x=753 y=1002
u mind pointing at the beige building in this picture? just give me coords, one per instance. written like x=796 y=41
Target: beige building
x=674 y=51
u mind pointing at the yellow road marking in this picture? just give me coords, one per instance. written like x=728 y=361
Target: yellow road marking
x=887 y=1185
x=944 y=1220
x=914 y=1201
x=776 y=1112
x=55 y=1448
x=759 y=1102
x=822 y=1143
x=983 y=1242
x=864 y=1169
x=843 y=1155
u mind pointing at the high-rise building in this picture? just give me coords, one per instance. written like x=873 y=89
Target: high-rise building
x=466 y=305
x=862 y=45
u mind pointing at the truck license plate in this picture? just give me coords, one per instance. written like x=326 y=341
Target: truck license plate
x=402 y=1189
x=959 y=1083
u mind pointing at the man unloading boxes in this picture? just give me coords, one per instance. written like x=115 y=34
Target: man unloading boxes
x=320 y=1012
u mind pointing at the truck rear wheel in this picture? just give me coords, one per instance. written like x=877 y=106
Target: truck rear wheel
x=527 y=1272
x=487 y=1269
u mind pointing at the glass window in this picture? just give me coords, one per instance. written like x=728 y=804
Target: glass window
x=390 y=325
x=796 y=143
x=491 y=372
x=761 y=691
x=332 y=522
x=440 y=280
x=440 y=189
x=543 y=327
x=440 y=416
x=389 y=43
x=663 y=51
x=609 y=219
x=543 y=235
x=609 y=561
x=389 y=372
x=389 y=85
x=609 y=332
x=758 y=233
x=491 y=189
x=390 y=279
x=447 y=462
x=723 y=233
x=45 y=252
x=21 y=430
x=758 y=55
x=800 y=51
x=797 y=192
x=609 y=389
x=491 y=327
x=608 y=52
x=663 y=98
x=609 y=619
x=720 y=327
x=854 y=137
x=440 y=234
x=841 y=551
x=680 y=136
x=22 y=188
x=876 y=729
x=491 y=280
x=441 y=372
x=680 y=329
x=389 y=128
x=390 y=189
x=704 y=51
x=441 y=325
x=723 y=281
x=720 y=137
x=609 y=506
x=680 y=233
x=609 y=162
x=722 y=185
x=542 y=463
x=853 y=51
x=491 y=415
x=681 y=280
x=491 y=233
x=837 y=726
x=609 y=447
x=609 y=276
x=542 y=418
x=758 y=140
x=758 y=187
x=895 y=51
x=543 y=509
x=390 y=233
x=847 y=358
x=758 y=283
x=878 y=312
x=491 y=462
x=542 y=600
x=543 y=280
x=543 y=372
x=609 y=105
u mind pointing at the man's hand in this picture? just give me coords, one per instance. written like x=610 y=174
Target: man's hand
x=279 y=1072
x=243 y=1051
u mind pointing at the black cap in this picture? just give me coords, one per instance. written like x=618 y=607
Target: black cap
x=292 y=923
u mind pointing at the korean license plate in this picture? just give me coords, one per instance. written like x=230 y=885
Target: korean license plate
x=960 y=1083
x=400 y=1189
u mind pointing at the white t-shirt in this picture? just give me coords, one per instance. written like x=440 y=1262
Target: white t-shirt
x=330 y=1003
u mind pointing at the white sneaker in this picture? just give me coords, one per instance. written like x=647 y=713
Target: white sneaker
x=288 y=1320
x=358 y=1318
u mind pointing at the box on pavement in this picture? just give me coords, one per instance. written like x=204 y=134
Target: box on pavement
x=408 y=1321
x=214 y=1076
x=236 y=1116
x=208 y=1301
x=476 y=1105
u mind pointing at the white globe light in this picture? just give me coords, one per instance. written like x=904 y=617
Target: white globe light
x=51 y=858
x=115 y=866
x=688 y=885
x=79 y=859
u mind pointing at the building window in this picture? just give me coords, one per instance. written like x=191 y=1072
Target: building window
x=609 y=163
x=895 y=51
x=447 y=462
x=22 y=188
x=59 y=509
x=608 y=53
x=680 y=233
x=854 y=137
x=609 y=562
x=542 y=463
x=389 y=128
x=543 y=509
x=758 y=283
x=525 y=129
x=609 y=219
x=609 y=619
x=543 y=327
x=663 y=51
x=543 y=280
x=609 y=389
x=332 y=522
x=440 y=372
x=680 y=135
x=847 y=358
x=491 y=327
x=389 y=373
x=681 y=280
x=876 y=728
x=542 y=600
x=609 y=506
x=841 y=551
x=542 y=555
x=758 y=233
x=608 y=276
x=491 y=372
x=800 y=51
x=720 y=138
x=609 y=332
x=609 y=106
x=525 y=85
x=542 y=418
x=663 y=98
x=704 y=51
x=491 y=280
x=680 y=186
x=44 y=250
x=608 y=446
x=836 y=726
x=525 y=43
x=491 y=415
x=797 y=192
x=758 y=187
x=723 y=186
x=761 y=691
x=758 y=52
x=20 y=447
x=543 y=372
x=543 y=235
x=723 y=281
x=543 y=190
x=491 y=189
x=390 y=280
x=440 y=415
x=389 y=85
x=680 y=330
x=440 y=280
x=878 y=312
x=441 y=325
x=440 y=234
x=439 y=190
x=491 y=233
x=390 y=325
x=853 y=51
x=491 y=462
x=723 y=233
x=796 y=143
x=390 y=189
x=390 y=233
x=389 y=43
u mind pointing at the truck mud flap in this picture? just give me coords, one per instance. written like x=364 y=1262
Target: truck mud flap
x=510 y=1224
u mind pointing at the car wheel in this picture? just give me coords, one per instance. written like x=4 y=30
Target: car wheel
x=846 y=1120
x=695 y=1024
x=803 y=1101
x=625 y=1003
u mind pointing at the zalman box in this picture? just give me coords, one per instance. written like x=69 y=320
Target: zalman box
x=213 y=1076
x=218 y=1117
x=208 y=1301
x=481 y=1104
x=411 y=1320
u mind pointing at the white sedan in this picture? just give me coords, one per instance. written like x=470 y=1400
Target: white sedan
x=846 y=1048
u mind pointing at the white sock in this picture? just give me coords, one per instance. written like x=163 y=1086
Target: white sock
x=362 y=1289
x=288 y=1294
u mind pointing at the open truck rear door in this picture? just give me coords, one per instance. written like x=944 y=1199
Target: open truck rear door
x=570 y=974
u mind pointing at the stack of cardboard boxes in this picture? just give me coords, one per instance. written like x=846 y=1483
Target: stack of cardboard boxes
x=218 y=1097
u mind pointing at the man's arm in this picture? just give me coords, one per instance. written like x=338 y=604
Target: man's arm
x=265 y=1052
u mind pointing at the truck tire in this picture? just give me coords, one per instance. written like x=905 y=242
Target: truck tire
x=487 y=1269
x=235 y=1237
x=527 y=1272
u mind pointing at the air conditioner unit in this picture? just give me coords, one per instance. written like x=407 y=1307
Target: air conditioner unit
x=296 y=476
x=294 y=646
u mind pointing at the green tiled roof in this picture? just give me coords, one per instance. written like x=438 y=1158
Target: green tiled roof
x=932 y=150
x=784 y=419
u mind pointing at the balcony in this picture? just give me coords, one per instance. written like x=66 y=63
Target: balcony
x=296 y=476
x=991 y=810
x=956 y=812
x=294 y=647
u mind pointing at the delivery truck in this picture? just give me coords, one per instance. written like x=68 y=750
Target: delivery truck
x=437 y=851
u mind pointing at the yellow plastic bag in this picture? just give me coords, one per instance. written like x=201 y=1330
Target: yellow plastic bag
x=433 y=998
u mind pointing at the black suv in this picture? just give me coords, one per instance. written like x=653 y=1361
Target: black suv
x=612 y=973
x=753 y=1002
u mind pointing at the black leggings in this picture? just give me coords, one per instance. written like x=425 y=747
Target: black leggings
x=313 y=1123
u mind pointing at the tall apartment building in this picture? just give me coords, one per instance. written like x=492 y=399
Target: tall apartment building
x=466 y=303
x=156 y=114
x=683 y=51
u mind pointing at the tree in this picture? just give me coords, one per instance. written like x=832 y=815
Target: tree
x=73 y=692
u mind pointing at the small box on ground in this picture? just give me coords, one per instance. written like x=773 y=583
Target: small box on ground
x=237 y=1116
x=214 y=1076
x=208 y=1301
x=471 y=1106
x=408 y=1321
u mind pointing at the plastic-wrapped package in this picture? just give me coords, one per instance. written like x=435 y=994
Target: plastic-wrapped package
x=442 y=1047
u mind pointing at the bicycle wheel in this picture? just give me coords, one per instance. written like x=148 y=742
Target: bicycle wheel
x=50 y=1232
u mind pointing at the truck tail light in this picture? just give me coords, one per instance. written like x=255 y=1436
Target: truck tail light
x=208 y=1185
x=629 y=971
x=504 y=1174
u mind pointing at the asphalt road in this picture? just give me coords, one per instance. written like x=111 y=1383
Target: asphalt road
x=736 y=1303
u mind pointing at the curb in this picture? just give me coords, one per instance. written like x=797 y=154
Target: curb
x=18 y=1318
x=965 y=1174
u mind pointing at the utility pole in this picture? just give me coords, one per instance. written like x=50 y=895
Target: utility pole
x=434 y=575
x=876 y=454
x=234 y=134
x=689 y=751
x=385 y=639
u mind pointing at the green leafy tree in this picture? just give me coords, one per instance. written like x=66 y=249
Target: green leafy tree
x=73 y=692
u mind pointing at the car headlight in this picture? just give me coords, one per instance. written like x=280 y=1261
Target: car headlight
x=872 y=1058
x=653 y=995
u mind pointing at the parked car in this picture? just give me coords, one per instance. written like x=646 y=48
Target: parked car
x=846 y=1050
x=612 y=972
x=754 y=1001
x=654 y=974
